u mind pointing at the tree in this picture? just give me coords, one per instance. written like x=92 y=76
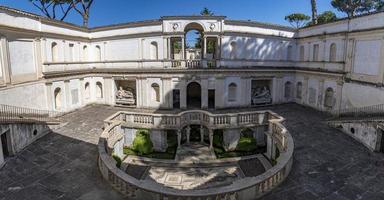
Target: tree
x=326 y=17
x=357 y=7
x=83 y=7
x=206 y=12
x=52 y=8
x=297 y=19
x=314 y=11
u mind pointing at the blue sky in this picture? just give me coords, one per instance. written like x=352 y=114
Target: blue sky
x=107 y=12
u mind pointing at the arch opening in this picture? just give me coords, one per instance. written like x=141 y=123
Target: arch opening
x=194 y=95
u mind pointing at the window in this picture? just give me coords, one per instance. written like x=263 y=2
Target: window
x=155 y=92
x=87 y=91
x=98 y=53
x=332 y=52
x=71 y=52
x=302 y=51
x=328 y=100
x=154 y=51
x=287 y=90
x=54 y=51
x=99 y=90
x=289 y=53
x=233 y=50
x=315 y=52
x=299 y=90
x=85 y=53
x=57 y=96
x=232 y=89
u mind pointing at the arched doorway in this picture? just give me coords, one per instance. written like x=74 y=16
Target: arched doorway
x=194 y=95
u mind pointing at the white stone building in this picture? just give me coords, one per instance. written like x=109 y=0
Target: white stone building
x=51 y=65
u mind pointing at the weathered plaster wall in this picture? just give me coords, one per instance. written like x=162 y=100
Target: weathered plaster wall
x=364 y=132
x=30 y=95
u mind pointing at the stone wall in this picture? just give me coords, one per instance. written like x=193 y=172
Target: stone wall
x=366 y=132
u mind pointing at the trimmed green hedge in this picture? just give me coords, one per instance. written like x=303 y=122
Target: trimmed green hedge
x=218 y=139
x=246 y=144
x=118 y=160
x=142 y=143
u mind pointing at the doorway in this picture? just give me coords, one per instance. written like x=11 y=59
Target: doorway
x=382 y=140
x=211 y=99
x=194 y=95
x=5 y=144
x=176 y=99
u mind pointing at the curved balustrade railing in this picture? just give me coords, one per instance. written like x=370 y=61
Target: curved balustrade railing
x=199 y=117
x=246 y=188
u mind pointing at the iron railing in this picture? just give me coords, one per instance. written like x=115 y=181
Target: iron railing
x=9 y=114
x=371 y=112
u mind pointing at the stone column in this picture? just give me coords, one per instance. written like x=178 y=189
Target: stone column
x=183 y=93
x=6 y=63
x=178 y=137
x=305 y=91
x=169 y=48
x=205 y=48
x=82 y=92
x=182 y=48
x=210 y=138
x=67 y=93
x=219 y=93
x=202 y=134
x=320 y=99
x=188 y=129
x=49 y=96
x=204 y=93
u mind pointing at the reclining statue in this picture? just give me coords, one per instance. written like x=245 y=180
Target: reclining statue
x=261 y=96
x=125 y=96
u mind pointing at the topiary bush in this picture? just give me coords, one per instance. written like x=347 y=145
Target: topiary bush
x=218 y=139
x=246 y=144
x=117 y=159
x=142 y=143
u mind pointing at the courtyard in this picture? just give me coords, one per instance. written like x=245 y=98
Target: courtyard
x=63 y=164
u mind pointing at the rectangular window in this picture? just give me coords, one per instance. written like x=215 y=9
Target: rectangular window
x=302 y=51
x=315 y=52
x=71 y=52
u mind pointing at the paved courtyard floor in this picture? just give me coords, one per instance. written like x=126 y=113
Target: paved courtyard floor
x=63 y=165
x=194 y=152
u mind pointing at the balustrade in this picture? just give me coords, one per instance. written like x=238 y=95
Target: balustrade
x=133 y=188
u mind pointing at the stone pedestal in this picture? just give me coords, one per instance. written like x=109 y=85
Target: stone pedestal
x=159 y=140
x=230 y=139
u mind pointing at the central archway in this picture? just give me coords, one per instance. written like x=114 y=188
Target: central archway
x=194 y=95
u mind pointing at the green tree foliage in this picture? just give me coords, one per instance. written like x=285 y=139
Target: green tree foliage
x=297 y=20
x=326 y=17
x=206 y=12
x=357 y=7
x=142 y=143
x=54 y=9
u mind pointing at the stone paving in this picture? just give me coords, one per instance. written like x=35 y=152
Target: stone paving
x=194 y=152
x=63 y=165
x=188 y=178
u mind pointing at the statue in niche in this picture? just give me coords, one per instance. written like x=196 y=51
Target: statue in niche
x=261 y=95
x=125 y=96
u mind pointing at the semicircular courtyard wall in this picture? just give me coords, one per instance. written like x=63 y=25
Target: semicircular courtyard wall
x=246 y=188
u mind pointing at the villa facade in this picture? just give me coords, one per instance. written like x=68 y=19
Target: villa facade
x=52 y=65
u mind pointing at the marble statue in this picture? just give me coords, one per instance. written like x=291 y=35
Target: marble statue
x=261 y=96
x=125 y=96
